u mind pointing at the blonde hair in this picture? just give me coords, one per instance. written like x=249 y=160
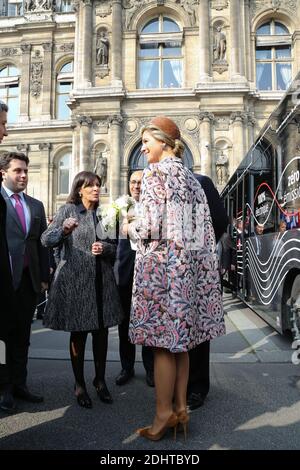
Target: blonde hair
x=177 y=145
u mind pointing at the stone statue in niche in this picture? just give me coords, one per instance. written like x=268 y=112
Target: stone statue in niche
x=220 y=45
x=102 y=49
x=101 y=170
x=221 y=168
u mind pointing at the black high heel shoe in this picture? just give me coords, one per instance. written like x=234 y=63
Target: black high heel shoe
x=102 y=391
x=83 y=398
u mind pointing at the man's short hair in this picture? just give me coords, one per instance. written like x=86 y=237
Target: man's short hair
x=7 y=157
x=3 y=107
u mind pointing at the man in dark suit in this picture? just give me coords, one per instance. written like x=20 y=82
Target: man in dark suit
x=25 y=222
x=7 y=291
x=124 y=269
x=198 y=385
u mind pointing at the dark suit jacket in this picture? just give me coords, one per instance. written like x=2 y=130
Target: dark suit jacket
x=7 y=307
x=124 y=265
x=217 y=210
x=18 y=242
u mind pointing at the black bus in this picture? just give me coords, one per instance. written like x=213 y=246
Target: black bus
x=262 y=199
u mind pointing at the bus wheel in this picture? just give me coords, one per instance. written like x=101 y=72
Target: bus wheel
x=294 y=304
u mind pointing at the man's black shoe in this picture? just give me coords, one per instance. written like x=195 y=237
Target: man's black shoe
x=7 y=402
x=150 y=379
x=195 y=400
x=22 y=392
x=124 y=376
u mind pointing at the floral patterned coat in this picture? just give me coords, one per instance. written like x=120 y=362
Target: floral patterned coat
x=177 y=297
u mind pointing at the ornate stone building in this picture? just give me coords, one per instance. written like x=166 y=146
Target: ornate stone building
x=81 y=77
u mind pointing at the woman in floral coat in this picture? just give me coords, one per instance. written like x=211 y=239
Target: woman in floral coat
x=177 y=298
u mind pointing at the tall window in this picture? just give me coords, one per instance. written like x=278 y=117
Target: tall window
x=9 y=91
x=11 y=7
x=273 y=56
x=64 y=86
x=160 y=54
x=63 y=184
x=67 y=5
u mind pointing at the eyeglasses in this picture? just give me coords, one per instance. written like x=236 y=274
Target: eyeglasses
x=135 y=182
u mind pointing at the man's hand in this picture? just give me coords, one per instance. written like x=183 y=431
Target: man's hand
x=44 y=286
x=69 y=225
x=97 y=248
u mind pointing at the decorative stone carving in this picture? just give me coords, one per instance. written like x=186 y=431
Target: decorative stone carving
x=45 y=146
x=84 y=120
x=26 y=48
x=115 y=119
x=8 y=51
x=23 y=148
x=131 y=126
x=257 y=5
x=101 y=170
x=104 y=9
x=64 y=47
x=219 y=4
x=220 y=64
x=190 y=6
x=102 y=49
x=220 y=45
x=47 y=46
x=206 y=116
x=36 y=74
x=101 y=126
x=130 y=7
x=190 y=124
x=222 y=123
x=38 y=5
x=238 y=116
x=222 y=168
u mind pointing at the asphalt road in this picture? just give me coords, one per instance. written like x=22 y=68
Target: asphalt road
x=253 y=403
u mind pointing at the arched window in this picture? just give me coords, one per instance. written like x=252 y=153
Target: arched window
x=138 y=161
x=64 y=167
x=64 y=86
x=9 y=91
x=273 y=56
x=160 y=54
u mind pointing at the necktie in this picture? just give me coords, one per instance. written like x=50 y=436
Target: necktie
x=20 y=211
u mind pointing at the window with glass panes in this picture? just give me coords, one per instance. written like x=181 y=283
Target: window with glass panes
x=11 y=7
x=160 y=59
x=67 y=5
x=9 y=91
x=63 y=186
x=64 y=86
x=273 y=56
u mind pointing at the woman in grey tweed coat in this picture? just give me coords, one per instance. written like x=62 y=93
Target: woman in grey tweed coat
x=83 y=296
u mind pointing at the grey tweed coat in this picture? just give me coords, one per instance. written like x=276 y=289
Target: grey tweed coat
x=72 y=304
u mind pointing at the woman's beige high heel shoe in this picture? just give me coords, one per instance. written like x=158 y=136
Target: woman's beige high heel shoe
x=170 y=423
x=183 y=419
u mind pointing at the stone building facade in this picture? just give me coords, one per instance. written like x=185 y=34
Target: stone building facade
x=82 y=77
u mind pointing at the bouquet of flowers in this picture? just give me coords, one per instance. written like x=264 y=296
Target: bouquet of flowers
x=111 y=215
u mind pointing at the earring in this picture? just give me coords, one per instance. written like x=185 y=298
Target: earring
x=164 y=145
x=80 y=195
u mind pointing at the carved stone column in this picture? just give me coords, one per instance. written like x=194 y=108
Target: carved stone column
x=116 y=43
x=24 y=103
x=47 y=80
x=85 y=142
x=238 y=140
x=115 y=156
x=236 y=39
x=45 y=187
x=84 y=46
x=248 y=71
x=205 y=143
x=204 y=51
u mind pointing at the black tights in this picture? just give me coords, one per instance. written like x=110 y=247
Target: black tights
x=77 y=349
